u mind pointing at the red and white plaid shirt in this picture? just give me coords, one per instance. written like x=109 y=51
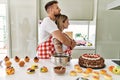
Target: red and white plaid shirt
x=46 y=49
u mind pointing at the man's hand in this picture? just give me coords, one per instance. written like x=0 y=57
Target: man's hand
x=73 y=44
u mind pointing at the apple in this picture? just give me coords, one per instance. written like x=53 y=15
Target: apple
x=116 y=70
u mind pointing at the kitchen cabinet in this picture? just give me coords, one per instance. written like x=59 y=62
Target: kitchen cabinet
x=115 y=5
x=74 y=9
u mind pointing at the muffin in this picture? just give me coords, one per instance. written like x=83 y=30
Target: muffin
x=17 y=59
x=8 y=63
x=6 y=58
x=35 y=59
x=76 y=66
x=27 y=59
x=21 y=63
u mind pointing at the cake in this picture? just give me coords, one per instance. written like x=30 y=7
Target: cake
x=91 y=61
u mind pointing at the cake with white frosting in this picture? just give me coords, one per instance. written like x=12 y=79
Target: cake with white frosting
x=91 y=61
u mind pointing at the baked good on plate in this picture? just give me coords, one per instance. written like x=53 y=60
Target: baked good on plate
x=91 y=61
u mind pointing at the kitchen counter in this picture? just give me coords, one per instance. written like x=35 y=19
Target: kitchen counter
x=20 y=72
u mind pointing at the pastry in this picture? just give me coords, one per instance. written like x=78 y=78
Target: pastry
x=27 y=59
x=95 y=73
x=85 y=74
x=10 y=70
x=103 y=71
x=17 y=59
x=30 y=71
x=6 y=58
x=95 y=78
x=73 y=73
x=76 y=66
x=110 y=68
x=43 y=69
x=88 y=70
x=8 y=63
x=21 y=63
x=34 y=66
x=107 y=77
x=78 y=69
x=36 y=59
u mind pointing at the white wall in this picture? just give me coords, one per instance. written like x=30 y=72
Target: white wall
x=23 y=23
x=108 y=30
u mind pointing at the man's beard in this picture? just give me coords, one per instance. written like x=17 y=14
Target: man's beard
x=57 y=14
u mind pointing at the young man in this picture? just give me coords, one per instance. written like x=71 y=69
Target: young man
x=48 y=29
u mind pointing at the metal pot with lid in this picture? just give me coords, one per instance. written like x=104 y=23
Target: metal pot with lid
x=60 y=59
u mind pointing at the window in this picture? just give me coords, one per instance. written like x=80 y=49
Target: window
x=83 y=32
x=3 y=29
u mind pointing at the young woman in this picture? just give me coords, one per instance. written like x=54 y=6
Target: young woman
x=62 y=23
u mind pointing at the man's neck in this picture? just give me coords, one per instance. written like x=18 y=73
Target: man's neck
x=52 y=17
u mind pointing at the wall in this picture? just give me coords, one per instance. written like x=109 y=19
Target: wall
x=23 y=27
x=108 y=26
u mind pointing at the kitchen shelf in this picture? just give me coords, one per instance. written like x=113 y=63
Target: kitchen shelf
x=115 y=5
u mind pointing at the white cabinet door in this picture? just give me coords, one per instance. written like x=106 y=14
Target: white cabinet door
x=74 y=9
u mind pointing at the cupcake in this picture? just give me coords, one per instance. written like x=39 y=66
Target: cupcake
x=35 y=59
x=30 y=71
x=27 y=59
x=21 y=63
x=17 y=59
x=6 y=58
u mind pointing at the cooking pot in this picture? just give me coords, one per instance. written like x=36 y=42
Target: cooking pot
x=60 y=59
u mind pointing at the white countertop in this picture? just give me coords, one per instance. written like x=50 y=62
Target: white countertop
x=20 y=72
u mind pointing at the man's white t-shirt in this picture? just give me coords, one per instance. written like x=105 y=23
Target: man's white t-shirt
x=46 y=28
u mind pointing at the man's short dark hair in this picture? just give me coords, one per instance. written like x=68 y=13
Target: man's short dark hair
x=50 y=3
